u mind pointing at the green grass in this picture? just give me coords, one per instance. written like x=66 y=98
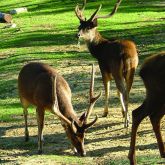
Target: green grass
x=58 y=159
x=49 y=25
x=141 y=160
x=47 y=33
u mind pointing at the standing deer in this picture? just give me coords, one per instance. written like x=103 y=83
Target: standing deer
x=117 y=59
x=153 y=75
x=41 y=85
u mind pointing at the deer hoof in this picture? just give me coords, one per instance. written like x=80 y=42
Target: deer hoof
x=26 y=138
x=163 y=155
x=83 y=154
x=132 y=163
x=105 y=114
x=131 y=160
x=39 y=152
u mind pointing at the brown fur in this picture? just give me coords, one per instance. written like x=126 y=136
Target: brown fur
x=117 y=59
x=36 y=87
x=153 y=75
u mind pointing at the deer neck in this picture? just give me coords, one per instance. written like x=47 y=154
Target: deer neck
x=67 y=110
x=95 y=39
x=94 y=45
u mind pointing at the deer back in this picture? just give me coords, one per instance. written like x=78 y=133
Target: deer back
x=153 y=74
x=41 y=85
x=35 y=84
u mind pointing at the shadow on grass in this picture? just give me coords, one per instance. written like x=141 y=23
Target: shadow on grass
x=11 y=66
x=57 y=143
x=150 y=36
x=141 y=160
x=119 y=148
x=79 y=81
x=62 y=6
x=54 y=144
x=147 y=36
x=40 y=38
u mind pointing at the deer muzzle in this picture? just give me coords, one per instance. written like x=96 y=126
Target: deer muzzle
x=78 y=35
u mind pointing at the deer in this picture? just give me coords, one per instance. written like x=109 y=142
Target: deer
x=117 y=59
x=152 y=73
x=42 y=86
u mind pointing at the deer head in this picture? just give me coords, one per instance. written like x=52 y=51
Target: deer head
x=87 y=28
x=75 y=130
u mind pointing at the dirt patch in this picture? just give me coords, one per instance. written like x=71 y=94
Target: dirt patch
x=106 y=141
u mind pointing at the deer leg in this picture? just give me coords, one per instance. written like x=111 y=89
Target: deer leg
x=107 y=88
x=137 y=116
x=106 y=77
x=129 y=79
x=123 y=99
x=25 y=112
x=122 y=110
x=25 y=105
x=40 y=121
x=155 y=120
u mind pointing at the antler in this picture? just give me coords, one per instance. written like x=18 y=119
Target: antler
x=74 y=125
x=79 y=13
x=93 y=100
x=94 y=16
x=55 y=107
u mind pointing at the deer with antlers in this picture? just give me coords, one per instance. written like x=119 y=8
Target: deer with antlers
x=153 y=75
x=42 y=86
x=117 y=59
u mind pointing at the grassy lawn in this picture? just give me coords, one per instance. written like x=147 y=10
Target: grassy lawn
x=47 y=34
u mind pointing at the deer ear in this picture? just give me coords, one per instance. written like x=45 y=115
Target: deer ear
x=95 y=22
x=83 y=116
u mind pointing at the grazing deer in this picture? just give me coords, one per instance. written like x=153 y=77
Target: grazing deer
x=116 y=58
x=153 y=76
x=41 y=85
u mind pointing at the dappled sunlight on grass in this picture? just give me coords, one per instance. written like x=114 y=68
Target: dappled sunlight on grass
x=46 y=33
